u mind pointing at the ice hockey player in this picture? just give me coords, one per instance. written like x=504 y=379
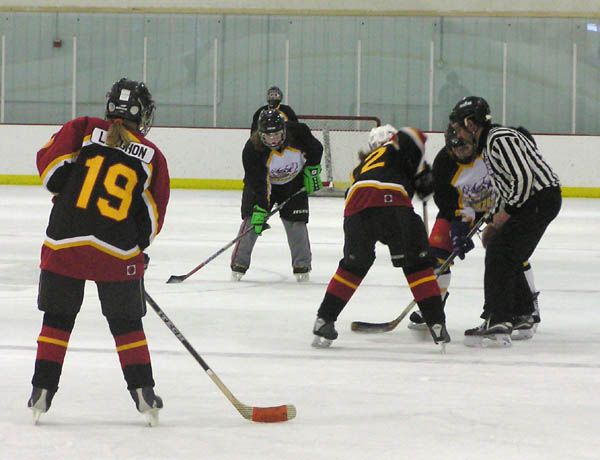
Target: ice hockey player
x=279 y=159
x=274 y=98
x=379 y=207
x=529 y=198
x=463 y=193
x=110 y=189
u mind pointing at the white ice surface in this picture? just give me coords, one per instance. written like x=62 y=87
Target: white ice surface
x=387 y=396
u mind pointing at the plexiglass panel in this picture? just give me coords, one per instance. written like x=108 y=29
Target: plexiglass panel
x=205 y=70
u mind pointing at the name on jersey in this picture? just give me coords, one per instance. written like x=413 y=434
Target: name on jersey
x=134 y=149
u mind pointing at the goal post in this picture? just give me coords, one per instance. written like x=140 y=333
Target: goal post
x=342 y=136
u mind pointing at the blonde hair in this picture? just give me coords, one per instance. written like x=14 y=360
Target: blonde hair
x=256 y=140
x=118 y=135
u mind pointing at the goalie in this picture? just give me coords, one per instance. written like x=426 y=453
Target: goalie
x=379 y=208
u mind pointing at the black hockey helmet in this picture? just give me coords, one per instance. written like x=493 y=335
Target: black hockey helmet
x=274 y=97
x=131 y=100
x=271 y=128
x=471 y=107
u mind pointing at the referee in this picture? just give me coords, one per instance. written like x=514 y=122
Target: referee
x=529 y=198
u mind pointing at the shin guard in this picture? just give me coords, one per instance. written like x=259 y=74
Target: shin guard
x=134 y=355
x=342 y=286
x=53 y=342
x=425 y=289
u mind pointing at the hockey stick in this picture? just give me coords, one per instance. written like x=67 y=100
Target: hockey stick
x=425 y=217
x=374 y=328
x=255 y=414
x=275 y=210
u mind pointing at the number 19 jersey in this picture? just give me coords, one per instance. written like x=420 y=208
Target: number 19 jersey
x=109 y=202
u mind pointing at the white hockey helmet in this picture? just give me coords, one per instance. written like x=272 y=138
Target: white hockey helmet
x=381 y=135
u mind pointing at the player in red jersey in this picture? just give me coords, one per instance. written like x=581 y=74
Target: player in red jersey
x=379 y=208
x=111 y=189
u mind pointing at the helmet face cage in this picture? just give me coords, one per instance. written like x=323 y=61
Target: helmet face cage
x=274 y=96
x=271 y=128
x=471 y=108
x=131 y=100
x=452 y=139
x=461 y=151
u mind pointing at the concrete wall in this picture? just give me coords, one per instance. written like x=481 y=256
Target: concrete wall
x=211 y=158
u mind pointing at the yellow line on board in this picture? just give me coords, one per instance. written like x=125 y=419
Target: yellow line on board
x=237 y=184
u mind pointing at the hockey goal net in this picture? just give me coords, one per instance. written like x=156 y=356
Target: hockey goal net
x=342 y=138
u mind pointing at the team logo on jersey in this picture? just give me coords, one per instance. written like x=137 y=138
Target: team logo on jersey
x=479 y=195
x=142 y=152
x=285 y=165
x=284 y=171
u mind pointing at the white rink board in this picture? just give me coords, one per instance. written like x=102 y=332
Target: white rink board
x=209 y=153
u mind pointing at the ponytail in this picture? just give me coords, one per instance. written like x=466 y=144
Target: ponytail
x=118 y=136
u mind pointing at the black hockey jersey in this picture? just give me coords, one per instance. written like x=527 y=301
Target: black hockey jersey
x=458 y=186
x=264 y=167
x=385 y=176
x=109 y=203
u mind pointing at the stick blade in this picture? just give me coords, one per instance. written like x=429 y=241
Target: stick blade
x=372 y=328
x=273 y=414
x=176 y=279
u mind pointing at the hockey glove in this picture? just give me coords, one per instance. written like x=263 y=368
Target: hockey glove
x=259 y=219
x=423 y=182
x=460 y=243
x=312 y=179
x=466 y=214
x=146 y=261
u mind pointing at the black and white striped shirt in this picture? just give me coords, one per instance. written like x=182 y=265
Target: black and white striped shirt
x=516 y=167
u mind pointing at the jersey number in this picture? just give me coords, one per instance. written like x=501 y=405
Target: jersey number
x=370 y=161
x=123 y=191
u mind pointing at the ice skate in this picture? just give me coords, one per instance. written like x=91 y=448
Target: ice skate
x=237 y=272
x=523 y=328
x=40 y=402
x=324 y=332
x=302 y=274
x=489 y=335
x=417 y=323
x=440 y=335
x=147 y=403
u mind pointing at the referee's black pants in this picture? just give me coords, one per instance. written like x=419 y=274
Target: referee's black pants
x=507 y=293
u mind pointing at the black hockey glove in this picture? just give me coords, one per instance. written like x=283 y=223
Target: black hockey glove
x=460 y=243
x=423 y=182
x=146 y=261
